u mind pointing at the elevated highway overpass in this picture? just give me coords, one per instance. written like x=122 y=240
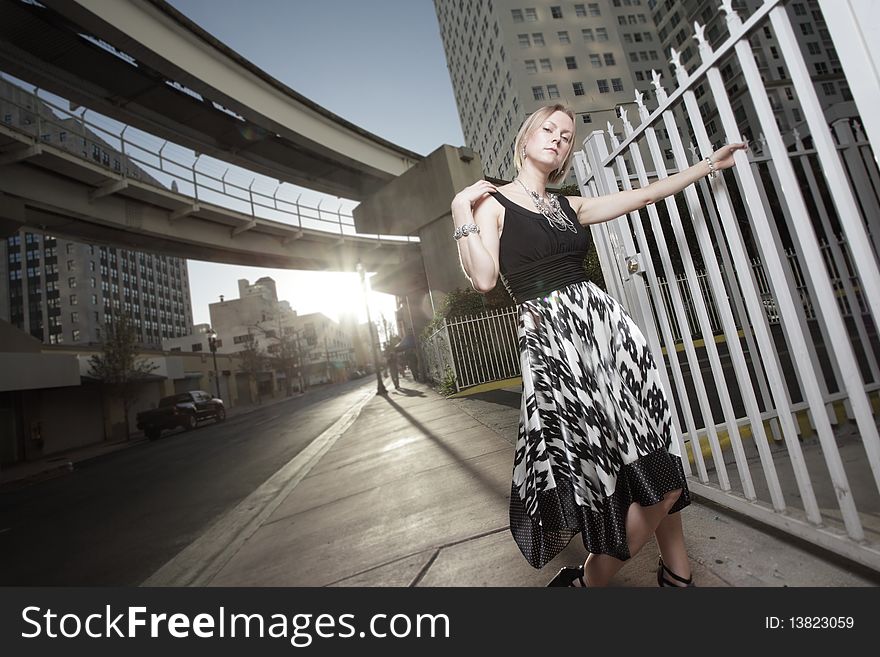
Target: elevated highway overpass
x=145 y=64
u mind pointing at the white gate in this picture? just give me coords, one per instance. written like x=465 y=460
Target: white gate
x=775 y=416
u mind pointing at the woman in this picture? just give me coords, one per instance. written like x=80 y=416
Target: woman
x=595 y=453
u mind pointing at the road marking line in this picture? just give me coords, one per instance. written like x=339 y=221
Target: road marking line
x=199 y=562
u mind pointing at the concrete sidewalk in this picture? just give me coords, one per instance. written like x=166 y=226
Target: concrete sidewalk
x=415 y=493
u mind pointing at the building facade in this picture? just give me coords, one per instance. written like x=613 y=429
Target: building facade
x=62 y=291
x=258 y=321
x=507 y=58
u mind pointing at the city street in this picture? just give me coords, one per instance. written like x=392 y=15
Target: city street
x=116 y=519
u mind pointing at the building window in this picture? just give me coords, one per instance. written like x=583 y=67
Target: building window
x=556 y=12
x=609 y=59
x=538 y=93
x=545 y=65
x=538 y=38
x=524 y=41
x=517 y=15
x=603 y=86
x=74 y=318
x=814 y=48
x=821 y=68
x=829 y=88
x=563 y=36
x=806 y=29
x=616 y=84
x=593 y=7
x=595 y=60
x=531 y=66
x=73 y=300
x=601 y=33
x=580 y=10
x=640 y=76
x=587 y=34
x=71 y=282
x=578 y=88
x=552 y=91
x=634 y=57
x=571 y=62
x=586 y=118
x=197 y=346
x=75 y=335
x=531 y=14
x=799 y=9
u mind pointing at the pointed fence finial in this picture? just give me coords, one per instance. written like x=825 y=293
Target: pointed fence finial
x=693 y=149
x=674 y=58
x=732 y=17
x=699 y=34
x=627 y=126
x=659 y=91
x=614 y=140
x=640 y=103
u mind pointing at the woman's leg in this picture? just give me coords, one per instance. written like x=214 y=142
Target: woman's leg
x=670 y=540
x=641 y=523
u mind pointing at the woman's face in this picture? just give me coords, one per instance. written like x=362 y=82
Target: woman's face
x=550 y=142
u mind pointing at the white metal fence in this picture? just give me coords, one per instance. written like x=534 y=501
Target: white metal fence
x=737 y=406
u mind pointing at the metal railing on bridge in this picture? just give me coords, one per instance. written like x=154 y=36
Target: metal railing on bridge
x=129 y=152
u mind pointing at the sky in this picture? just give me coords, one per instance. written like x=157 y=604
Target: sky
x=378 y=63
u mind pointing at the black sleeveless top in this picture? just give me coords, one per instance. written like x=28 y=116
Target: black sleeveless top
x=536 y=258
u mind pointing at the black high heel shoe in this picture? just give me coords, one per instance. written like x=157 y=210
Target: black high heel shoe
x=662 y=580
x=568 y=575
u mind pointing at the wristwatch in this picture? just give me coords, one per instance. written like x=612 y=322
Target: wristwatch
x=464 y=230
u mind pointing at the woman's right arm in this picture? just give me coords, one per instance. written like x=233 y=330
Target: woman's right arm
x=478 y=251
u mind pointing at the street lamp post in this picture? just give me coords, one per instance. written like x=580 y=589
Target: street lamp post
x=212 y=344
x=380 y=387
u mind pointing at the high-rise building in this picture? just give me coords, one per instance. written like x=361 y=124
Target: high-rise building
x=507 y=59
x=64 y=291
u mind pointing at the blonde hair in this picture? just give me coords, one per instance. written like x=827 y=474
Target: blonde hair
x=529 y=126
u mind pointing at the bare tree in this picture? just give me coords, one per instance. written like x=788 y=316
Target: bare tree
x=118 y=366
x=253 y=362
x=285 y=354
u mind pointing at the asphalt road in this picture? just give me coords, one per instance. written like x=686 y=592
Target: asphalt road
x=115 y=520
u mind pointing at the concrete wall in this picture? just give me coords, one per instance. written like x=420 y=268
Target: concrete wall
x=418 y=203
x=67 y=417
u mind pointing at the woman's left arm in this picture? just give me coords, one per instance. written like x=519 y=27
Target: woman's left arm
x=604 y=208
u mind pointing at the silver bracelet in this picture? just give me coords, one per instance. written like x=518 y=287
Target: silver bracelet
x=465 y=230
x=712 y=171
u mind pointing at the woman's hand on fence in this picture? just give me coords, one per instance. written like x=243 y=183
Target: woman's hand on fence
x=469 y=196
x=723 y=157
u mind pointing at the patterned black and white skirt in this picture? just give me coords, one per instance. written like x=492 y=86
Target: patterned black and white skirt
x=595 y=430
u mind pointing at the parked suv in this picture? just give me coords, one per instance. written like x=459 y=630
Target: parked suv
x=185 y=409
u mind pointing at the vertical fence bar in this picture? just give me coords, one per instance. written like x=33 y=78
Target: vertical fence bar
x=708 y=253
x=837 y=259
x=806 y=289
x=760 y=223
x=851 y=221
x=662 y=315
x=680 y=316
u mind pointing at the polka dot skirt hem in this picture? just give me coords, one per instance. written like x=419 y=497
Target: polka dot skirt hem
x=559 y=518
